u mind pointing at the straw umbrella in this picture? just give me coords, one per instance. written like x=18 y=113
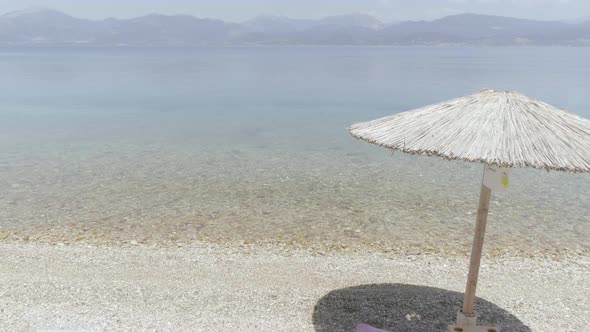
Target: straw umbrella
x=500 y=129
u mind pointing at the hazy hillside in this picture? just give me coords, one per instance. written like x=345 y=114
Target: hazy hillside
x=48 y=27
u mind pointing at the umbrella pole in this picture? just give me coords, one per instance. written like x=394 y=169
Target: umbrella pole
x=480 y=228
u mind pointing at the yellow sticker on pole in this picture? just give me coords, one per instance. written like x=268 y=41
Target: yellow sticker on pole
x=496 y=178
x=505 y=181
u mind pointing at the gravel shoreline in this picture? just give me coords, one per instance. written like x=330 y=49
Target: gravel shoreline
x=271 y=288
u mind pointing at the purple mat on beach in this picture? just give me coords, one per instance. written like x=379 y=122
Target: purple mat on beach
x=366 y=328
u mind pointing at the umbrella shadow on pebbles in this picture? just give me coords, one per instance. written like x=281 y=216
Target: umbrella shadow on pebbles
x=400 y=307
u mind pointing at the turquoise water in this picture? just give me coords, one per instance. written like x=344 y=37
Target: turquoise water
x=234 y=145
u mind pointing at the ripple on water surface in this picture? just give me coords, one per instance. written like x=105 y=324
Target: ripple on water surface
x=357 y=198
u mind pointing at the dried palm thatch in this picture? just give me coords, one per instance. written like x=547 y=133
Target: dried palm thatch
x=502 y=128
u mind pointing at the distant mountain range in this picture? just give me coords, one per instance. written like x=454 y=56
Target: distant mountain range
x=49 y=27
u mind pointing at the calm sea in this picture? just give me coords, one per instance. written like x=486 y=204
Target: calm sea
x=250 y=145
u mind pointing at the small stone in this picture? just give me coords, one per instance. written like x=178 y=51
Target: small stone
x=133 y=242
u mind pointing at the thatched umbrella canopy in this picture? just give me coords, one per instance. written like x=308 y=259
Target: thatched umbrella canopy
x=501 y=129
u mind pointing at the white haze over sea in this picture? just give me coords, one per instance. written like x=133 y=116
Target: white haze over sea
x=171 y=146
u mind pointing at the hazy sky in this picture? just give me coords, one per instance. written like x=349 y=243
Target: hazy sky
x=238 y=10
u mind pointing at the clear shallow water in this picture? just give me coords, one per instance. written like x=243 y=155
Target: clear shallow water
x=250 y=145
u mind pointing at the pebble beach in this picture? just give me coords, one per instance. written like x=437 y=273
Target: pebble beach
x=274 y=288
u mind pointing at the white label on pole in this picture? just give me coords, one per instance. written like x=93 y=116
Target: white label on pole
x=496 y=178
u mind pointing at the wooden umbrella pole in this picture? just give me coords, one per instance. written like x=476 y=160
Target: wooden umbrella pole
x=480 y=228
